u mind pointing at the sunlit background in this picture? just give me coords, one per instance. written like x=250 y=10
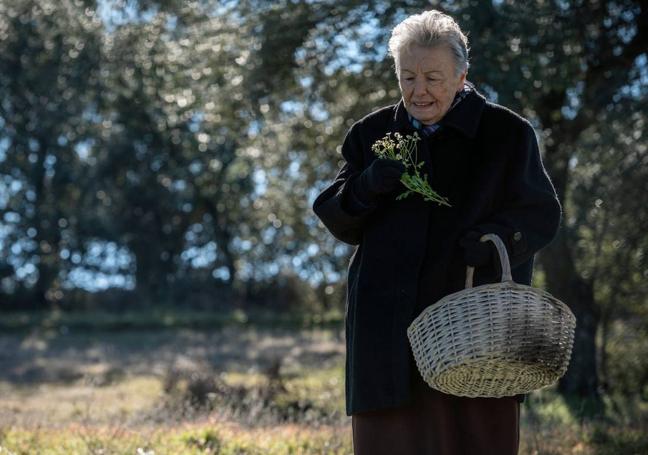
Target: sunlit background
x=168 y=153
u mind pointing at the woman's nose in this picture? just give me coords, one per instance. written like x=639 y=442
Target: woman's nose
x=419 y=86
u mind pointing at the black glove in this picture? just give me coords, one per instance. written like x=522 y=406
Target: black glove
x=381 y=177
x=479 y=254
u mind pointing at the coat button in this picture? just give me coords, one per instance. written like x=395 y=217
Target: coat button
x=517 y=236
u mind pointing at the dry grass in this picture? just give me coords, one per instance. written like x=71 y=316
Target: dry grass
x=231 y=391
x=208 y=437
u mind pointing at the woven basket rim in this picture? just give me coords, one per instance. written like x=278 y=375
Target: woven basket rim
x=500 y=284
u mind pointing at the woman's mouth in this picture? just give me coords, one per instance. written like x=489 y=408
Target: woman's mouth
x=421 y=104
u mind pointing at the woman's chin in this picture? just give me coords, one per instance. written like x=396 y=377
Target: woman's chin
x=426 y=118
x=425 y=115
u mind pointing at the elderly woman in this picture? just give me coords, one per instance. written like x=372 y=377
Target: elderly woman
x=410 y=253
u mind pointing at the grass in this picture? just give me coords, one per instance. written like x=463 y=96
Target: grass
x=203 y=438
x=216 y=432
x=137 y=415
x=236 y=389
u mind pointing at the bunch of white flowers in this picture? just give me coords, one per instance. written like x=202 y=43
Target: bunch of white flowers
x=403 y=149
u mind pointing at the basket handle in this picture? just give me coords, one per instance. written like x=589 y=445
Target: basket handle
x=503 y=257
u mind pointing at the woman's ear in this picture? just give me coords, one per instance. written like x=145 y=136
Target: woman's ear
x=461 y=81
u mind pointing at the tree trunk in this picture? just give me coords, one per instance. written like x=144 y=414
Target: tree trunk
x=581 y=378
x=580 y=383
x=48 y=235
x=603 y=358
x=565 y=283
x=150 y=272
x=224 y=245
x=223 y=236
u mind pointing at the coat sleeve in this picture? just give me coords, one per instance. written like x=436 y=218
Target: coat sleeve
x=530 y=216
x=337 y=207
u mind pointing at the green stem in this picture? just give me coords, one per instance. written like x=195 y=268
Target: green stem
x=408 y=151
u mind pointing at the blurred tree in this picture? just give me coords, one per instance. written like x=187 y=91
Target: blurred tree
x=49 y=58
x=608 y=203
x=171 y=158
x=141 y=142
x=307 y=100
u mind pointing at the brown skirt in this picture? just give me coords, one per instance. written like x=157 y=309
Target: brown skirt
x=439 y=424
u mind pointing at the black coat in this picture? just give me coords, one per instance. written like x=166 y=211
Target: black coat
x=485 y=159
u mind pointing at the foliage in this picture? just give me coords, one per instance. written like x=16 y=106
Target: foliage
x=47 y=80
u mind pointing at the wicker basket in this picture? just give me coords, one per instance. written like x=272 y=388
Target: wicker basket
x=493 y=340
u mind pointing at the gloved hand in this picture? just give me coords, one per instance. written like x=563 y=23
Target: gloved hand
x=479 y=254
x=381 y=177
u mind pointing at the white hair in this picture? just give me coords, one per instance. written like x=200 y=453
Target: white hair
x=430 y=29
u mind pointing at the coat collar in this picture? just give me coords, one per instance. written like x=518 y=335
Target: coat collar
x=464 y=117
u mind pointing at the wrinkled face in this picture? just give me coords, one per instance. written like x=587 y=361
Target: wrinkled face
x=428 y=82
